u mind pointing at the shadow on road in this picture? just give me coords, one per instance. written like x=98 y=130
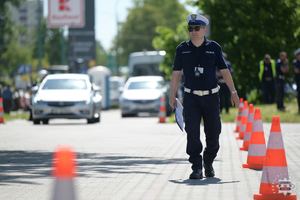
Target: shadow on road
x=25 y=167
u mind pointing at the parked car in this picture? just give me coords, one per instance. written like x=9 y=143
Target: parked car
x=70 y=96
x=143 y=94
x=116 y=85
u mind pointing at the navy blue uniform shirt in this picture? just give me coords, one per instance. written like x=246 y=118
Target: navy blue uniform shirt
x=296 y=64
x=208 y=56
x=279 y=64
x=230 y=68
x=267 y=70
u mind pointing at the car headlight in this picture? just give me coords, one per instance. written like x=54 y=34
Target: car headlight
x=86 y=101
x=97 y=98
x=124 y=100
x=37 y=100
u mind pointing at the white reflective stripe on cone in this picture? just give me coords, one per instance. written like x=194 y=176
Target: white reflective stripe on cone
x=274 y=174
x=257 y=126
x=257 y=150
x=64 y=189
x=275 y=142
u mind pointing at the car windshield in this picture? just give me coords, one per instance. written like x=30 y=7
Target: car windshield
x=65 y=84
x=145 y=85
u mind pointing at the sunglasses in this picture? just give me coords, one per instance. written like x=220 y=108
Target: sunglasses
x=197 y=28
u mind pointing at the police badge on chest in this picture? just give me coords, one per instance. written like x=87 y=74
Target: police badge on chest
x=198 y=71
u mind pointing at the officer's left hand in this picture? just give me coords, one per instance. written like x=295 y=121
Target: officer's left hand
x=235 y=100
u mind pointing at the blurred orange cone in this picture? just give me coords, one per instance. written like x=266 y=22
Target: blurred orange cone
x=1 y=111
x=238 y=118
x=257 y=145
x=244 y=117
x=64 y=172
x=162 y=110
x=275 y=169
x=248 y=131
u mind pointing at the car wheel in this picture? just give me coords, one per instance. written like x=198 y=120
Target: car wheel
x=36 y=121
x=45 y=121
x=90 y=121
x=97 y=119
x=128 y=115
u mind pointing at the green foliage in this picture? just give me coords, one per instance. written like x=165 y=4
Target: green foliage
x=20 y=55
x=247 y=30
x=51 y=44
x=101 y=55
x=137 y=33
x=168 y=40
x=267 y=111
x=7 y=34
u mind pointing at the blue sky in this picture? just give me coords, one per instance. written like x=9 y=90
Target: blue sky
x=106 y=13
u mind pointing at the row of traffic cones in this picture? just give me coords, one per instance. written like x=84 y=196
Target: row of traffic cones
x=270 y=159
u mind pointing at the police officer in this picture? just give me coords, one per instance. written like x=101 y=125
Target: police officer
x=224 y=92
x=198 y=58
x=296 y=67
x=282 y=67
x=266 y=74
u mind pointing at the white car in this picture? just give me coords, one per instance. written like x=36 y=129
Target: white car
x=70 y=96
x=142 y=94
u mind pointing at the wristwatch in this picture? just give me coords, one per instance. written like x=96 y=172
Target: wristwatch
x=233 y=92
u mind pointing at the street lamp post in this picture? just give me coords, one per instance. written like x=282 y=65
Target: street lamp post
x=40 y=36
x=118 y=39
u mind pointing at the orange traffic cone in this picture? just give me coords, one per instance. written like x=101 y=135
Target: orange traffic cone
x=257 y=145
x=1 y=111
x=248 y=131
x=64 y=172
x=162 y=110
x=274 y=181
x=244 y=117
x=238 y=118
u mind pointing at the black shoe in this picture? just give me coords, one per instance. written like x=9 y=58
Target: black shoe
x=196 y=174
x=209 y=170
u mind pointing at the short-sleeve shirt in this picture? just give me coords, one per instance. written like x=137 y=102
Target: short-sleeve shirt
x=279 y=64
x=230 y=68
x=208 y=56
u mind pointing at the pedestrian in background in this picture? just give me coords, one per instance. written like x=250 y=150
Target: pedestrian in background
x=199 y=58
x=224 y=92
x=296 y=67
x=7 y=97
x=266 y=74
x=282 y=67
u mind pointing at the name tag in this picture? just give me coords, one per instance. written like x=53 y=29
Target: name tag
x=186 y=52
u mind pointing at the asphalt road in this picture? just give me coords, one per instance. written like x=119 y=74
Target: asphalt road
x=128 y=158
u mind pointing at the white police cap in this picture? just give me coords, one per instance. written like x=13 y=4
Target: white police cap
x=197 y=20
x=297 y=52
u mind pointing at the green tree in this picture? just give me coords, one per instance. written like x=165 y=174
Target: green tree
x=169 y=40
x=101 y=55
x=15 y=53
x=137 y=33
x=7 y=35
x=51 y=45
x=247 y=30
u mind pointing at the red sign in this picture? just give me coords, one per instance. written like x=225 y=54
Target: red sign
x=66 y=13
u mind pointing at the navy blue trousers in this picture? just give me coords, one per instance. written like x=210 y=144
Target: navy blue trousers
x=196 y=108
x=224 y=95
x=269 y=91
x=280 y=87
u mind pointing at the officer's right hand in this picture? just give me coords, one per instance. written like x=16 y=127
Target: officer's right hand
x=235 y=100
x=173 y=102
